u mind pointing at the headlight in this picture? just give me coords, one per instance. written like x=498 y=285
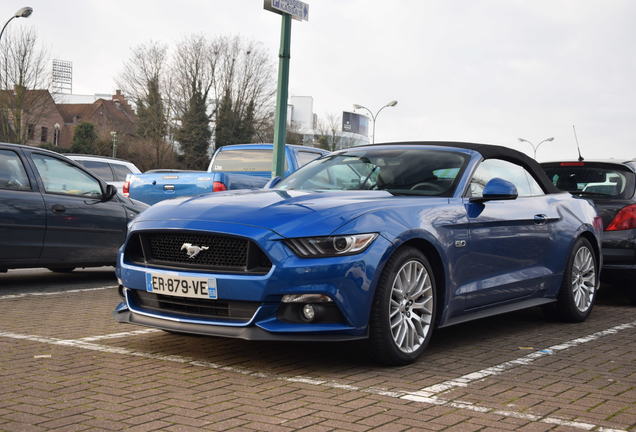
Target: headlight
x=315 y=247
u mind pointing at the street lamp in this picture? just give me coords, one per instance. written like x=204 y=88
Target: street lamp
x=373 y=117
x=24 y=12
x=113 y=135
x=535 y=148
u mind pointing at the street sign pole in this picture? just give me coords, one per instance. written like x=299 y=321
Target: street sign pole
x=280 y=123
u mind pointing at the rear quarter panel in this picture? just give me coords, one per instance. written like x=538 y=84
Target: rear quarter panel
x=577 y=217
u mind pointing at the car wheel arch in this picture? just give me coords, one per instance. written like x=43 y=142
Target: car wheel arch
x=435 y=259
x=595 y=247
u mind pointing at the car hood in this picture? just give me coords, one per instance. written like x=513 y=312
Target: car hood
x=289 y=213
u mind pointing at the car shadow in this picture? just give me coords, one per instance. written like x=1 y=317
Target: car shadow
x=20 y=281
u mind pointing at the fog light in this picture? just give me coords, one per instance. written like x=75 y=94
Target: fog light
x=309 y=313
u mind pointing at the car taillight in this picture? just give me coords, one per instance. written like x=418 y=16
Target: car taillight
x=572 y=164
x=625 y=219
x=218 y=187
x=126 y=188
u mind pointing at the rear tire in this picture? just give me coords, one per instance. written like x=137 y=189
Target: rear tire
x=62 y=269
x=403 y=312
x=580 y=283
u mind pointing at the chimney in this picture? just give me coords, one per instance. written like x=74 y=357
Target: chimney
x=119 y=99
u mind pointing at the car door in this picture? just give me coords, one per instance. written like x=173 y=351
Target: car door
x=508 y=239
x=22 y=218
x=81 y=228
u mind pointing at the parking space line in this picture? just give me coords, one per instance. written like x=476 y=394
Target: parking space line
x=464 y=380
x=117 y=335
x=404 y=395
x=52 y=293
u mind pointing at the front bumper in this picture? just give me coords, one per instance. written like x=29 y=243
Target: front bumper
x=248 y=333
x=349 y=281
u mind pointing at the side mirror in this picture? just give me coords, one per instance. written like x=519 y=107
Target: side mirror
x=111 y=191
x=497 y=189
x=273 y=182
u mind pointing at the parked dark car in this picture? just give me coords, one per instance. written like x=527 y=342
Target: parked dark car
x=611 y=185
x=55 y=214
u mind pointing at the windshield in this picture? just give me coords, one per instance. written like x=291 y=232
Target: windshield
x=413 y=171
x=243 y=160
x=584 y=178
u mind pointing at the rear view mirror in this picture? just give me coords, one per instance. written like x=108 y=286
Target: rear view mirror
x=110 y=192
x=497 y=189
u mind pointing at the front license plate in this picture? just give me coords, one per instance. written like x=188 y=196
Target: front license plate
x=181 y=286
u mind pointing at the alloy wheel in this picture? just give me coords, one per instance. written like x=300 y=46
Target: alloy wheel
x=411 y=306
x=583 y=279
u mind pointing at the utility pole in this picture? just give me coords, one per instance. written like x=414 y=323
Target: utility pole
x=288 y=9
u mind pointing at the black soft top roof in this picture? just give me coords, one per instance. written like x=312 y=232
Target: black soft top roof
x=489 y=151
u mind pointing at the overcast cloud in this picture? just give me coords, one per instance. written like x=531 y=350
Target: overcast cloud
x=482 y=71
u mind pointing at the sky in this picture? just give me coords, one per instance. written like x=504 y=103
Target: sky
x=487 y=71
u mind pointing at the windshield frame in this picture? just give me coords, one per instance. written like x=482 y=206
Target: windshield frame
x=376 y=152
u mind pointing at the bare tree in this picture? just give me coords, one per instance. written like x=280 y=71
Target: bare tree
x=147 y=62
x=193 y=69
x=245 y=77
x=145 y=79
x=24 y=82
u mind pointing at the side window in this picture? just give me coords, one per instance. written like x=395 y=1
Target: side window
x=121 y=171
x=304 y=157
x=12 y=173
x=100 y=169
x=63 y=178
x=490 y=168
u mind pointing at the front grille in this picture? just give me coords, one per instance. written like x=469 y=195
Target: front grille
x=206 y=309
x=221 y=253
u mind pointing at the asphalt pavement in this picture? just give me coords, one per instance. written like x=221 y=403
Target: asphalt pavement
x=66 y=365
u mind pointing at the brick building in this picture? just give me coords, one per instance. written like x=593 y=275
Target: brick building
x=46 y=121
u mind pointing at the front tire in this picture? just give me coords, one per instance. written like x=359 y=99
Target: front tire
x=403 y=312
x=578 y=290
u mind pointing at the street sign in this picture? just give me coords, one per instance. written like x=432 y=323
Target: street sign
x=297 y=9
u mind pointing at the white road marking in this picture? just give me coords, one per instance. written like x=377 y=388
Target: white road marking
x=117 y=335
x=414 y=397
x=464 y=380
x=52 y=293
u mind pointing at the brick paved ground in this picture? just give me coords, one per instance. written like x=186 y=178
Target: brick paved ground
x=53 y=379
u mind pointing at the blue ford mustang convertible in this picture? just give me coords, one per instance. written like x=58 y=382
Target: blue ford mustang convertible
x=383 y=242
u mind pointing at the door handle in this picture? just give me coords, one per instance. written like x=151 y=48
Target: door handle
x=168 y=187
x=58 y=208
x=540 y=219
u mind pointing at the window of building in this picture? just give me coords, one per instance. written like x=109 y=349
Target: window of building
x=44 y=137
x=30 y=131
x=56 y=137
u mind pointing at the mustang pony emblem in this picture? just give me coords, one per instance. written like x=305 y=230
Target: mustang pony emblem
x=193 y=250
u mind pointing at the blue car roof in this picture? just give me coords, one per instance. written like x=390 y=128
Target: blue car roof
x=267 y=146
